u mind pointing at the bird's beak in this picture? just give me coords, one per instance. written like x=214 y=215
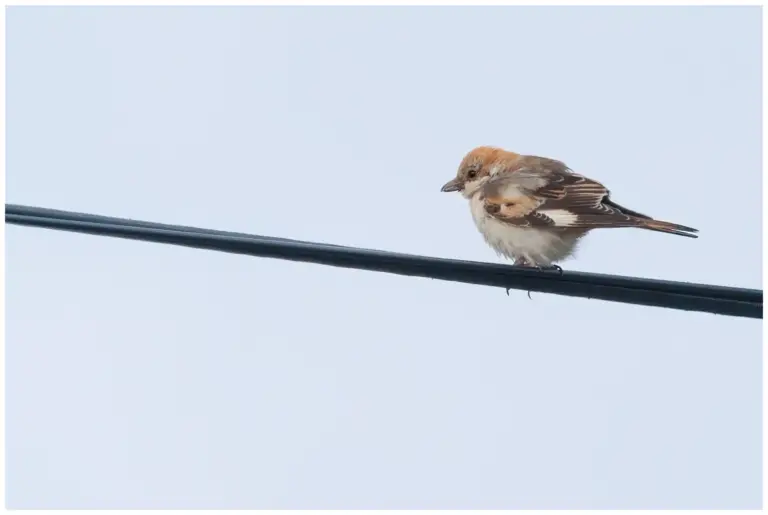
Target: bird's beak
x=452 y=185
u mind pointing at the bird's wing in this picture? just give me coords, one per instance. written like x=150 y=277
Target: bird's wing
x=541 y=192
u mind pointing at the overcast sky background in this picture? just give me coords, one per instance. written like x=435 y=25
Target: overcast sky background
x=150 y=376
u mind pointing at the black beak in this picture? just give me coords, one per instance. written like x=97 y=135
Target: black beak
x=452 y=185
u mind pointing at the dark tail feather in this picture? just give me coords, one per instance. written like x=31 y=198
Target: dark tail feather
x=646 y=222
x=669 y=228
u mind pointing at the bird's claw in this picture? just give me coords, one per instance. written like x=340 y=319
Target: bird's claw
x=551 y=267
x=525 y=264
x=529 y=293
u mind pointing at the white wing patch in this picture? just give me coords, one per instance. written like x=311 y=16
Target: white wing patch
x=561 y=217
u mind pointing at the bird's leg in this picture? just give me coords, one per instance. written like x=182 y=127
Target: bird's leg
x=521 y=261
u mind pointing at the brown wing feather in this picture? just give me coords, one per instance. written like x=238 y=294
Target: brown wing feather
x=524 y=194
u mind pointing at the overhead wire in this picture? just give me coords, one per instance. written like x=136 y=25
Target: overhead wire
x=731 y=301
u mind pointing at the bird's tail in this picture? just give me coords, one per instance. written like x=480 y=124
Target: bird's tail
x=668 y=227
x=646 y=222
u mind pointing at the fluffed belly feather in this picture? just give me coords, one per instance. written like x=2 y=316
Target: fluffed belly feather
x=539 y=246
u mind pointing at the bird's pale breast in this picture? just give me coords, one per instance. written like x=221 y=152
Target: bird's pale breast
x=540 y=246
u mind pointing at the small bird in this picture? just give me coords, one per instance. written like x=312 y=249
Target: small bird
x=535 y=209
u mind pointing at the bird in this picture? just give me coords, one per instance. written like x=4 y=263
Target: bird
x=535 y=210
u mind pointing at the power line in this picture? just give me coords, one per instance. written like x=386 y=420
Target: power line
x=741 y=302
x=45 y=212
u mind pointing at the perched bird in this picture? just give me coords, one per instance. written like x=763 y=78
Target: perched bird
x=535 y=209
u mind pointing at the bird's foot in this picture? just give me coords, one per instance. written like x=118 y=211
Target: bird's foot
x=551 y=267
x=524 y=262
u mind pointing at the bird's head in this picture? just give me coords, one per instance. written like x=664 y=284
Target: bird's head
x=476 y=168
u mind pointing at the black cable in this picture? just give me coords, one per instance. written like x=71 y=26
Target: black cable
x=740 y=302
x=45 y=212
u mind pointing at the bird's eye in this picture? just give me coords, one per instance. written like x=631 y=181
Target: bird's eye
x=472 y=174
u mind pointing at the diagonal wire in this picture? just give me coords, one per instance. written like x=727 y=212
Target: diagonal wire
x=741 y=302
x=16 y=209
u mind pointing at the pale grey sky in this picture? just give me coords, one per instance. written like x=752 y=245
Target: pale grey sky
x=149 y=376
